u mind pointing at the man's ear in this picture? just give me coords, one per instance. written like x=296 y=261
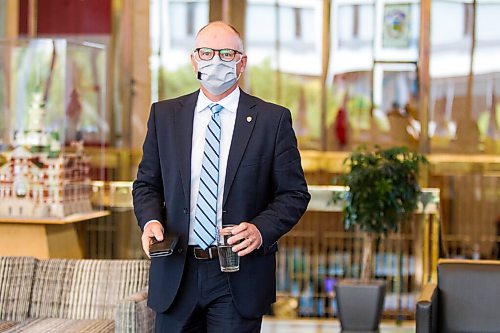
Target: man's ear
x=243 y=63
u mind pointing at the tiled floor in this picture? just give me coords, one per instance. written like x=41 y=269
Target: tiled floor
x=273 y=325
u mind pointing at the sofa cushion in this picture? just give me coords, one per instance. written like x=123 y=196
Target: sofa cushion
x=469 y=297
x=43 y=325
x=16 y=278
x=85 y=289
x=50 y=287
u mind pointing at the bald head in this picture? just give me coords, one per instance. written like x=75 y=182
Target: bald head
x=219 y=35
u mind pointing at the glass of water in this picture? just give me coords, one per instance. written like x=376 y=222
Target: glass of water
x=229 y=260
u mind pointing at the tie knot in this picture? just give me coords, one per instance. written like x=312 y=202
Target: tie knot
x=215 y=108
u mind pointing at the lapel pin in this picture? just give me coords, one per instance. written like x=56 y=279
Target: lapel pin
x=249 y=119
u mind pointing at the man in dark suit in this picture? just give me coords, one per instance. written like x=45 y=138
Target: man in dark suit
x=214 y=157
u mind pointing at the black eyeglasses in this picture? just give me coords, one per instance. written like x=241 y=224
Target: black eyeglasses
x=206 y=53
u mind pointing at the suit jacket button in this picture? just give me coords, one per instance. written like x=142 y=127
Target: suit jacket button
x=179 y=250
x=185 y=210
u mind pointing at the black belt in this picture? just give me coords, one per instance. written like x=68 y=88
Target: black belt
x=197 y=252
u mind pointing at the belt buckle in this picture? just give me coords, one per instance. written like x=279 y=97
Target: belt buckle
x=210 y=252
x=200 y=249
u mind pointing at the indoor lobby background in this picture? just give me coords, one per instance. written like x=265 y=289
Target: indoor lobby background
x=425 y=74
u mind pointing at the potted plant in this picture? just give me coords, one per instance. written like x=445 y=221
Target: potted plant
x=383 y=192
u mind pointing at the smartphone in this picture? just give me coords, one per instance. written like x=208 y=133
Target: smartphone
x=165 y=247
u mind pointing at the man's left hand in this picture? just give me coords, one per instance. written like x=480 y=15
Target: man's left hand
x=247 y=238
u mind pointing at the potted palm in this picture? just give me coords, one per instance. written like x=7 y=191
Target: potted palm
x=383 y=192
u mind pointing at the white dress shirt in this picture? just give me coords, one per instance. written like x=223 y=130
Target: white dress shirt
x=202 y=115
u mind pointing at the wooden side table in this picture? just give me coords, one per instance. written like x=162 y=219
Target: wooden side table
x=43 y=238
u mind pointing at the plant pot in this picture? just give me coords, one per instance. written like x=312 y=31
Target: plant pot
x=360 y=305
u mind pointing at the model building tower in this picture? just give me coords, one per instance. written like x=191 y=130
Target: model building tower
x=36 y=178
x=33 y=135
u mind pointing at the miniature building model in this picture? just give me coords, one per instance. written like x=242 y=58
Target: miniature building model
x=37 y=179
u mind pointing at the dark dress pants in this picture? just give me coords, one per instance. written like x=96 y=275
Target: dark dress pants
x=204 y=303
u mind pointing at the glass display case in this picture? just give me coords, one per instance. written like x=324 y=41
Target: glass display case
x=52 y=105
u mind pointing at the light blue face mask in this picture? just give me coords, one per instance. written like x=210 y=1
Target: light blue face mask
x=217 y=76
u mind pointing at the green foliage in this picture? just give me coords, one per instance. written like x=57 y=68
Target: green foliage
x=179 y=82
x=263 y=81
x=359 y=111
x=295 y=92
x=383 y=188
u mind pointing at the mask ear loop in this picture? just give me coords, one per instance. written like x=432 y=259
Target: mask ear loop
x=198 y=74
x=235 y=64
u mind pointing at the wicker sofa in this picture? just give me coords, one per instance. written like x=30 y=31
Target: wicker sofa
x=61 y=295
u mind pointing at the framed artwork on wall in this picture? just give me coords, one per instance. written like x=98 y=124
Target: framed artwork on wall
x=396 y=26
x=396 y=30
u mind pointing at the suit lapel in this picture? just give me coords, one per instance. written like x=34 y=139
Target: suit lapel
x=243 y=127
x=183 y=120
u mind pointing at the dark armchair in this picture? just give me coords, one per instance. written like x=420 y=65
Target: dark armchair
x=465 y=299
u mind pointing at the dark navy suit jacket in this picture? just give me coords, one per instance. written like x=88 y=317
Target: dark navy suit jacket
x=264 y=185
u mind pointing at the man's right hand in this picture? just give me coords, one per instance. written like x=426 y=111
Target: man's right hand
x=152 y=231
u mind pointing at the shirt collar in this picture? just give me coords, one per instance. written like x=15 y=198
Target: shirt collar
x=230 y=102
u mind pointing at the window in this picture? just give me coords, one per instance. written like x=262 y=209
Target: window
x=174 y=24
x=284 y=60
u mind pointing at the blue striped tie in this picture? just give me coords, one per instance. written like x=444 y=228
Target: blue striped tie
x=205 y=227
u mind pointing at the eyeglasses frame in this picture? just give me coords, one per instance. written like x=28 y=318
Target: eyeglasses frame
x=197 y=51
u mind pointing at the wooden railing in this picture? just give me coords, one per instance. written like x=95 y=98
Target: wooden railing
x=318 y=252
